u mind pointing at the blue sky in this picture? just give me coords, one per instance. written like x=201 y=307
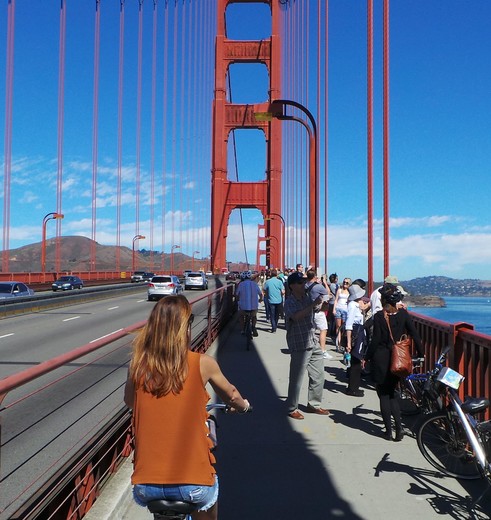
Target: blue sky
x=440 y=139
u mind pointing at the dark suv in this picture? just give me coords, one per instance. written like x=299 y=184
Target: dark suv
x=141 y=276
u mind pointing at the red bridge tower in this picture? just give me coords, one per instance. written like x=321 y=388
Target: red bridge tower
x=228 y=195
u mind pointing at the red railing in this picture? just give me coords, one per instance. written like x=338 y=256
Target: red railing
x=470 y=354
x=41 y=278
x=65 y=485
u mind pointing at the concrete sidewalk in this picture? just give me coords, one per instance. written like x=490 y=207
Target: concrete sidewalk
x=273 y=467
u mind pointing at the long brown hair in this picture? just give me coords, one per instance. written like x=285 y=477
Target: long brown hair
x=159 y=362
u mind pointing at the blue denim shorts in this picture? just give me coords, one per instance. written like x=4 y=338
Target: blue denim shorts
x=203 y=496
x=341 y=314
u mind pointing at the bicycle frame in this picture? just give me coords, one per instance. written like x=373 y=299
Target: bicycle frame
x=470 y=426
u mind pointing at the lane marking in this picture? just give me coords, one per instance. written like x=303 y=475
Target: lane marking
x=106 y=335
x=112 y=308
x=72 y=318
x=7 y=335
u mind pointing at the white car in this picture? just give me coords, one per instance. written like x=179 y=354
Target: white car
x=163 y=285
x=196 y=280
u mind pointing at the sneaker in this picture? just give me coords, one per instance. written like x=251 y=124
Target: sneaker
x=326 y=355
x=254 y=332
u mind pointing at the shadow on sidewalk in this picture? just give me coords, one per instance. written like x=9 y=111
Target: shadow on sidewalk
x=267 y=470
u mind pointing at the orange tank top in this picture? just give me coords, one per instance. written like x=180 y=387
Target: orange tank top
x=171 y=441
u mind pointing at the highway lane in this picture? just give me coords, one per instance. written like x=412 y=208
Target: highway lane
x=41 y=433
x=28 y=339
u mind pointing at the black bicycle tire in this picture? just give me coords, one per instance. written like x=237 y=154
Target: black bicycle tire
x=408 y=402
x=433 y=430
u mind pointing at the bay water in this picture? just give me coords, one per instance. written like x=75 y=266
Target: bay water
x=476 y=311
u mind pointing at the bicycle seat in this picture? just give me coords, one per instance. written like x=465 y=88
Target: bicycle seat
x=160 y=507
x=474 y=405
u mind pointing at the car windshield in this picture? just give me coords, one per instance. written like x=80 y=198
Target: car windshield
x=195 y=275
x=5 y=288
x=64 y=279
x=162 y=279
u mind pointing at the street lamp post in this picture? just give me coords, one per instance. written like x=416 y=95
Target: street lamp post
x=278 y=107
x=135 y=238
x=277 y=110
x=194 y=253
x=50 y=216
x=282 y=241
x=172 y=258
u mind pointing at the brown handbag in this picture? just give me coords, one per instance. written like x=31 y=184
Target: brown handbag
x=401 y=364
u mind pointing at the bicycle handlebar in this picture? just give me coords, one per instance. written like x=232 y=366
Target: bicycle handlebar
x=225 y=408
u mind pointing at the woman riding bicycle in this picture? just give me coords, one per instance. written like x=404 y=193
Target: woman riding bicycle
x=166 y=390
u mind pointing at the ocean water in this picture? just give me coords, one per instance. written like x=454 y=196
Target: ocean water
x=476 y=311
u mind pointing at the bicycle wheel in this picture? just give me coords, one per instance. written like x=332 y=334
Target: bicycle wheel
x=443 y=442
x=408 y=396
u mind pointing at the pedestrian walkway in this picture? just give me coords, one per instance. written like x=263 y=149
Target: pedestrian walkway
x=272 y=467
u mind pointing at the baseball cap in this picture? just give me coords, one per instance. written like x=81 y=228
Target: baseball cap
x=391 y=279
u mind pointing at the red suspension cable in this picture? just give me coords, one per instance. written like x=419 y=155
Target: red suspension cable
x=386 y=139
x=9 y=85
x=61 y=106
x=95 y=124
x=120 y=134
x=370 y=141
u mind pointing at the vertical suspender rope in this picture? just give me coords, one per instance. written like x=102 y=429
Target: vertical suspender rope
x=7 y=166
x=318 y=94
x=152 y=132
x=95 y=123
x=370 y=141
x=120 y=134
x=173 y=136
x=164 y=129
x=194 y=138
x=138 y=117
x=61 y=105
x=386 y=139
x=326 y=141
x=188 y=154
x=181 y=126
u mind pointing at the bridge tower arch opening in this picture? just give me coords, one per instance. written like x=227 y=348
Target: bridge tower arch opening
x=228 y=194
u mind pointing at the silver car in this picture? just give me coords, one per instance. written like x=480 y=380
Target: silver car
x=163 y=285
x=14 y=290
x=196 y=280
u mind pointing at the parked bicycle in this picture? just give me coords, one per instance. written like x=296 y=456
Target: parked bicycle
x=453 y=440
x=416 y=391
x=180 y=510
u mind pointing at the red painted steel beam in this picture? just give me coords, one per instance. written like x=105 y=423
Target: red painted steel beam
x=263 y=195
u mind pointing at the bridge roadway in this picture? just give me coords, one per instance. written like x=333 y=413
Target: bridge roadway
x=273 y=467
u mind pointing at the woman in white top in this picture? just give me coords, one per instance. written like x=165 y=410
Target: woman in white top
x=340 y=308
x=358 y=305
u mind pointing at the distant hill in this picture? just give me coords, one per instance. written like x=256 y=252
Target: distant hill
x=444 y=286
x=75 y=254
